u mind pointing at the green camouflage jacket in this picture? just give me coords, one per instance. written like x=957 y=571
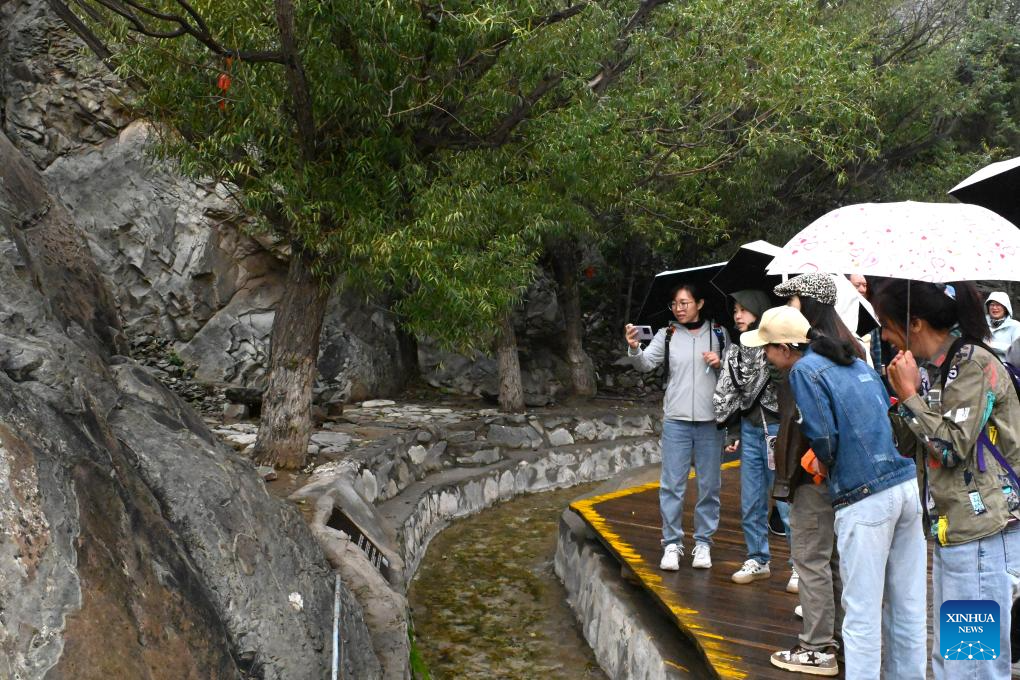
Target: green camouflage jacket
x=940 y=430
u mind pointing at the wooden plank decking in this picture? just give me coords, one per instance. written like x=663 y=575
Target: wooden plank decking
x=736 y=627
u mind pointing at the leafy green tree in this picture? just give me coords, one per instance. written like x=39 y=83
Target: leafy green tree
x=436 y=147
x=945 y=95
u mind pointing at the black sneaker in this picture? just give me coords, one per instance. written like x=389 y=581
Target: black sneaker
x=811 y=662
x=776 y=525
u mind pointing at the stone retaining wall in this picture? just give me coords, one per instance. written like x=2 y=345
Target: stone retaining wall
x=439 y=465
x=429 y=440
x=626 y=634
x=554 y=469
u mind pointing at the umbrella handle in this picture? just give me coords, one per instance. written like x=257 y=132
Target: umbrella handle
x=907 y=349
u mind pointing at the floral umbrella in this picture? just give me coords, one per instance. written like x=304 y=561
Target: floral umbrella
x=936 y=242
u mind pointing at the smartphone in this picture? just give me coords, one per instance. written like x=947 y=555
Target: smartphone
x=645 y=333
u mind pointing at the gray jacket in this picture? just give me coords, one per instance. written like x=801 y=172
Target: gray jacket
x=691 y=381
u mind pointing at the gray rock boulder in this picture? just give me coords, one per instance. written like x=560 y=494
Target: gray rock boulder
x=511 y=437
x=132 y=543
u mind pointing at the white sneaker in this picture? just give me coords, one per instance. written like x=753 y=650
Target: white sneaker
x=798 y=611
x=793 y=585
x=753 y=570
x=671 y=557
x=702 y=556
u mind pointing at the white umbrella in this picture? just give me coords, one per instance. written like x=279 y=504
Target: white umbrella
x=936 y=242
x=986 y=173
x=856 y=312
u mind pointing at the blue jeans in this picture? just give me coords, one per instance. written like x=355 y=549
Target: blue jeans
x=682 y=442
x=756 y=489
x=882 y=562
x=985 y=569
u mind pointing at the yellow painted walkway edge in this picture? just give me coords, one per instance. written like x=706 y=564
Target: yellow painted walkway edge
x=726 y=663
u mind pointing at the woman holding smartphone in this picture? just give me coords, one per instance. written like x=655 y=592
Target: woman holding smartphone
x=956 y=430
x=691 y=349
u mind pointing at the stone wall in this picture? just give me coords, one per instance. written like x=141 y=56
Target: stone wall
x=627 y=641
x=551 y=469
x=441 y=464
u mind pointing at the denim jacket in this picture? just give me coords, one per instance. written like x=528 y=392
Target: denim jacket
x=844 y=415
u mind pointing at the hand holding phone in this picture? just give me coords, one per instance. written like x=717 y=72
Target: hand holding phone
x=635 y=334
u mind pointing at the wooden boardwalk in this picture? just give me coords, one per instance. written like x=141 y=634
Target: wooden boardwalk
x=736 y=627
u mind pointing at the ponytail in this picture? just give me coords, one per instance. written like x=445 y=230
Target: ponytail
x=826 y=320
x=970 y=311
x=840 y=352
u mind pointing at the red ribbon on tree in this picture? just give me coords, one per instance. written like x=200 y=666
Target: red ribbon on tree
x=223 y=83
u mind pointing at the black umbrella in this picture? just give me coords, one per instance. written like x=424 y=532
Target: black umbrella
x=655 y=311
x=746 y=269
x=996 y=187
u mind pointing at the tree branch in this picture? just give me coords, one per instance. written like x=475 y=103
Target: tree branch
x=87 y=36
x=619 y=62
x=297 y=83
x=138 y=16
x=434 y=132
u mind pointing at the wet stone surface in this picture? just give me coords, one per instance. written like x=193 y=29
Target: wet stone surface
x=486 y=603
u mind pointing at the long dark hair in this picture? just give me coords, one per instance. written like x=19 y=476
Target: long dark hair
x=825 y=320
x=837 y=350
x=943 y=306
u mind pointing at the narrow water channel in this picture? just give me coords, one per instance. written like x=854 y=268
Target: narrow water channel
x=487 y=604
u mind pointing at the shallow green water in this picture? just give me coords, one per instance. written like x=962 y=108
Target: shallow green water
x=487 y=604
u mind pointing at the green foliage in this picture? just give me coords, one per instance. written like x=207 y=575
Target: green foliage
x=945 y=95
x=419 y=669
x=452 y=141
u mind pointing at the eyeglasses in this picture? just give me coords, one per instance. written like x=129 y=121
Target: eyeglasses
x=680 y=305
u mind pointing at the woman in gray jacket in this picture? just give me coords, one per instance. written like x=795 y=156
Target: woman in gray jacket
x=692 y=347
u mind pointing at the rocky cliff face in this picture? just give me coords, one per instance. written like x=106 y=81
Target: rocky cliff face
x=132 y=544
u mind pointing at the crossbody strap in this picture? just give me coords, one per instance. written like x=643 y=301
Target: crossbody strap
x=985 y=442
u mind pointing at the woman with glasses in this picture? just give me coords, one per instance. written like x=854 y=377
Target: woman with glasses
x=690 y=348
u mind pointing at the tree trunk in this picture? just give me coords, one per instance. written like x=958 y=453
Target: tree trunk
x=286 y=423
x=57 y=252
x=511 y=394
x=582 y=370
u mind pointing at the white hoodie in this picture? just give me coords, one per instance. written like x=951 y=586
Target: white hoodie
x=1008 y=330
x=850 y=305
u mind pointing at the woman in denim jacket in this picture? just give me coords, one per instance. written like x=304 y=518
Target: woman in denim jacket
x=970 y=503
x=843 y=407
